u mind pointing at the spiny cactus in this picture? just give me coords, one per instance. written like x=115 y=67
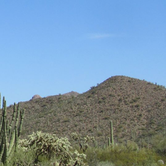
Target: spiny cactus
x=111 y=133
x=10 y=132
x=49 y=145
x=83 y=142
x=109 y=142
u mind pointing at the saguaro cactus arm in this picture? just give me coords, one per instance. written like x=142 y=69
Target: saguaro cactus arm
x=13 y=119
x=21 y=122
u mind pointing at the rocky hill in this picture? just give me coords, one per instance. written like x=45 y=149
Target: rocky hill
x=137 y=108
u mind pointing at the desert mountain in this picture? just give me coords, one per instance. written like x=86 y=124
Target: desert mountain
x=137 y=108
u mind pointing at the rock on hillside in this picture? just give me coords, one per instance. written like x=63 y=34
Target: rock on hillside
x=72 y=93
x=36 y=97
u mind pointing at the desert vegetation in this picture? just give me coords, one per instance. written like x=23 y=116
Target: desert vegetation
x=120 y=122
x=42 y=149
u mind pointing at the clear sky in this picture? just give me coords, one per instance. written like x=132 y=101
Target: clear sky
x=48 y=47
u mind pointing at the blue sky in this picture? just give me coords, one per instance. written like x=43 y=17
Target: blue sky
x=49 y=47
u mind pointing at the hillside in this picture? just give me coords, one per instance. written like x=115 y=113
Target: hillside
x=137 y=108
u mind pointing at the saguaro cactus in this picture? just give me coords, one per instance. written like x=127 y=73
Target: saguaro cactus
x=111 y=133
x=10 y=132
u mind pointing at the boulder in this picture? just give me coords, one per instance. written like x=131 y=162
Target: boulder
x=36 y=97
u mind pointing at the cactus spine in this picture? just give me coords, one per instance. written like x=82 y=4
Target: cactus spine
x=10 y=132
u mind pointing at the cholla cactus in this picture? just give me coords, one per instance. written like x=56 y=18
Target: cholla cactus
x=52 y=146
x=83 y=142
x=10 y=133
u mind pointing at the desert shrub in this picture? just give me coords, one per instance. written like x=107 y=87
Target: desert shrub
x=105 y=163
x=22 y=158
x=122 y=155
x=159 y=143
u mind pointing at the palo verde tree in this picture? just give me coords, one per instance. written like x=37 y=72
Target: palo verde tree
x=9 y=132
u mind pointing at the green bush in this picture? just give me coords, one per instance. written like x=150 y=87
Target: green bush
x=159 y=143
x=106 y=163
x=23 y=158
x=122 y=155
